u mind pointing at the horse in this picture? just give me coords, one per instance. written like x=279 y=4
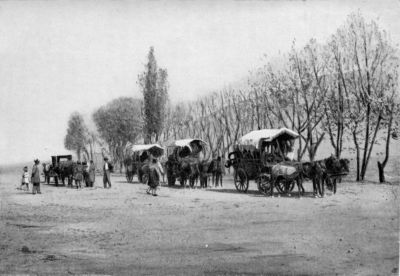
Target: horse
x=287 y=173
x=215 y=168
x=204 y=168
x=322 y=172
x=316 y=172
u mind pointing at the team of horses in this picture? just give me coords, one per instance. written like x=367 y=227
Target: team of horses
x=202 y=172
x=326 y=172
x=63 y=171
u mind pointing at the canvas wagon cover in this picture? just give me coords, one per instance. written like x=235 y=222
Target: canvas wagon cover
x=154 y=149
x=192 y=146
x=253 y=138
x=186 y=142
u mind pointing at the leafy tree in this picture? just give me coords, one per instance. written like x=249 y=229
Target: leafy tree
x=154 y=85
x=118 y=123
x=77 y=134
x=369 y=62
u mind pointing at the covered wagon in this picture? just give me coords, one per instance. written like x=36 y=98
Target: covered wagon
x=138 y=156
x=255 y=155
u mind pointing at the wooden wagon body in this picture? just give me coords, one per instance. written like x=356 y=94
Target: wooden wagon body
x=257 y=153
x=138 y=157
x=183 y=158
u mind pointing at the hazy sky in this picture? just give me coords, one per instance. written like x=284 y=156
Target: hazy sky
x=63 y=56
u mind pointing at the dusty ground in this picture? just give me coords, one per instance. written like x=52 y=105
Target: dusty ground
x=195 y=232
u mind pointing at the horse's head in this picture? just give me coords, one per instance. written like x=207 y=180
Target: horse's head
x=306 y=169
x=344 y=165
x=333 y=164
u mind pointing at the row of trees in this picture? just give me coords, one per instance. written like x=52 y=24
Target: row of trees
x=344 y=89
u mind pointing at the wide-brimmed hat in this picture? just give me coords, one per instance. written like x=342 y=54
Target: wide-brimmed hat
x=36 y=161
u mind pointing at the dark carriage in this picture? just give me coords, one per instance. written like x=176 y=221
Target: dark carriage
x=257 y=153
x=184 y=157
x=138 y=158
x=61 y=167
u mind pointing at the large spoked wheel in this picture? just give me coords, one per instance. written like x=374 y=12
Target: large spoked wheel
x=284 y=186
x=264 y=184
x=241 y=181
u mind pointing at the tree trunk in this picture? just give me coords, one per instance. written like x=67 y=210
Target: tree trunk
x=381 y=171
x=381 y=166
x=358 y=155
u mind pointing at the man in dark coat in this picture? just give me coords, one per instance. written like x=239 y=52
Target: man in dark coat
x=36 y=177
x=218 y=171
x=92 y=173
x=107 y=168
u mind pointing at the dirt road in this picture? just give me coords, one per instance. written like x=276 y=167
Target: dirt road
x=197 y=232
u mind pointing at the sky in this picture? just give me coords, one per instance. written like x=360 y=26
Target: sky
x=58 y=57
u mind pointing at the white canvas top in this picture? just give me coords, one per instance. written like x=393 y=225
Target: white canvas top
x=154 y=149
x=186 y=142
x=145 y=147
x=253 y=138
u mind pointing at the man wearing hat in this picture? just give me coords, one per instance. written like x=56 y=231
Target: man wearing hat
x=107 y=168
x=36 y=177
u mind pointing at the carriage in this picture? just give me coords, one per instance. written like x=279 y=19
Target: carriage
x=183 y=158
x=138 y=158
x=255 y=156
x=60 y=168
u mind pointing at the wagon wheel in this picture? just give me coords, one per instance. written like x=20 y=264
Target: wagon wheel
x=264 y=184
x=241 y=181
x=284 y=186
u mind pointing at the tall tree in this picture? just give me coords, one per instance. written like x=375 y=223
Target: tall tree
x=77 y=134
x=118 y=123
x=370 y=61
x=154 y=85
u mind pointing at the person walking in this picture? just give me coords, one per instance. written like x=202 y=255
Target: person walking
x=92 y=173
x=36 y=177
x=155 y=173
x=107 y=168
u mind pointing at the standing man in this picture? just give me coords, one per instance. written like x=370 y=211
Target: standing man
x=218 y=171
x=36 y=177
x=46 y=173
x=92 y=173
x=107 y=168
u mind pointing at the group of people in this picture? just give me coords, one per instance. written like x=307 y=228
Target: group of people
x=87 y=174
x=82 y=172
x=34 y=178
